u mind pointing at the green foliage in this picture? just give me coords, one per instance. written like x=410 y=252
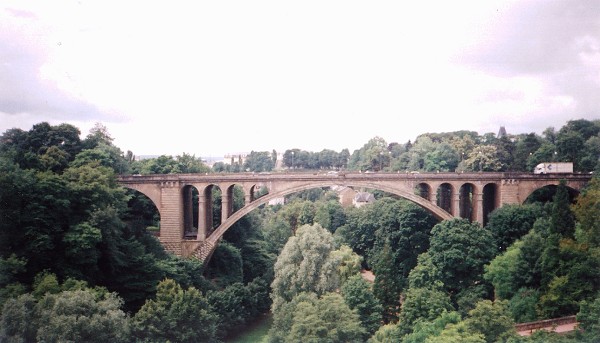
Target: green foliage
x=523 y=305
x=330 y=214
x=423 y=304
x=236 y=305
x=424 y=329
x=259 y=161
x=18 y=320
x=71 y=312
x=426 y=298
x=45 y=283
x=359 y=296
x=401 y=224
x=106 y=155
x=305 y=265
x=166 y=164
x=387 y=287
x=493 y=320
x=468 y=298
x=176 y=315
x=187 y=272
x=348 y=262
x=460 y=250
x=562 y=218
x=457 y=333
x=386 y=333
x=559 y=300
x=586 y=211
x=80 y=316
x=10 y=268
x=589 y=316
x=324 y=319
x=510 y=222
x=371 y=156
x=502 y=271
x=226 y=266
x=483 y=158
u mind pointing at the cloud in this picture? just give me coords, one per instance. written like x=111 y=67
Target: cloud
x=24 y=87
x=556 y=42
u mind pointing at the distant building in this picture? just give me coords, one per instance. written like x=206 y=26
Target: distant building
x=363 y=198
x=501 y=132
x=277 y=201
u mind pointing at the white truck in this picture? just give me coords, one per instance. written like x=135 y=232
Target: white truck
x=554 y=168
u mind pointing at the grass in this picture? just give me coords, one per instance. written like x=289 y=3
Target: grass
x=255 y=333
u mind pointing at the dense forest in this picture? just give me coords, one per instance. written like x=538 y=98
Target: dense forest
x=79 y=260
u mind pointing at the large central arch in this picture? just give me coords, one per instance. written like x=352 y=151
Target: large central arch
x=437 y=211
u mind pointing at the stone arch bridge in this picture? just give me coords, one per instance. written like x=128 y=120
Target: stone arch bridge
x=445 y=195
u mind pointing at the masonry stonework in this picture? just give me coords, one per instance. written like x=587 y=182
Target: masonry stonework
x=169 y=194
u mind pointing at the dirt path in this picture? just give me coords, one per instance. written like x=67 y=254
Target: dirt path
x=367 y=275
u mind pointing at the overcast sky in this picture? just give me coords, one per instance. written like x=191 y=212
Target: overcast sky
x=215 y=77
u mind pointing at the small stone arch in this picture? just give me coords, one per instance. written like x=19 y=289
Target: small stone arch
x=190 y=202
x=444 y=196
x=423 y=190
x=490 y=200
x=466 y=204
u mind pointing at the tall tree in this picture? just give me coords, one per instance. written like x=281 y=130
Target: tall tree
x=305 y=265
x=176 y=315
x=460 y=250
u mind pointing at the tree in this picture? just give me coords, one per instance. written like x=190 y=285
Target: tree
x=259 y=162
x=18 y=320
x=460 y=249
x=586 y=211
x=523 y=305
x=305 y=265
x=348 y=263
x=502 y=272
x=370 y=156
x=457 y=333
x=510 y=222
x=359 y=296
x=176 y=315
x=82 y=316
x=386 y=333
x=483 y=158
x=589 y=316
x=387 y=287
x=562 y=218
x=425 y=329
x=423 y=303
x=493 y=320
x=226 y=265
x=324 y=319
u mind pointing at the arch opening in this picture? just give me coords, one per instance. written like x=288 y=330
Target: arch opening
x=465 y=202
x=444 y=197
x=258 y=191
x=213 y=207
x=142 y=214
x=190 y=211
x=489 y=201
x=546 y=194
x=424 y=191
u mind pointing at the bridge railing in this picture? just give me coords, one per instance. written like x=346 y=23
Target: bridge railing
x=547 y=323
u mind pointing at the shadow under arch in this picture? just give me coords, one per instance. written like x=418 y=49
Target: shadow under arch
x=546 y=194
x=215 y=236
x=142 y=214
